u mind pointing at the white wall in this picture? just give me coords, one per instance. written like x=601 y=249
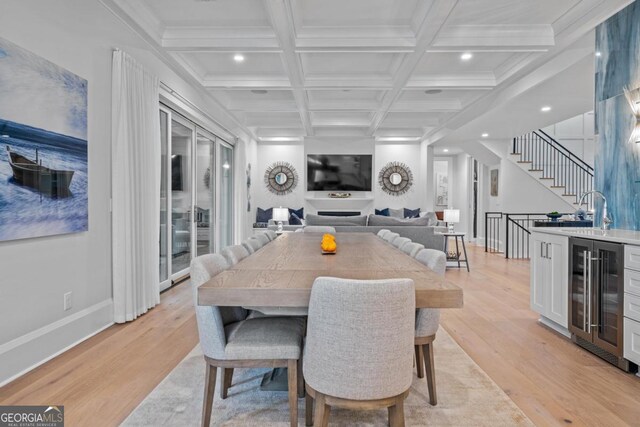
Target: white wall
x=409 y=154
x=577 y=135
x=413 y=155
x=78 y=35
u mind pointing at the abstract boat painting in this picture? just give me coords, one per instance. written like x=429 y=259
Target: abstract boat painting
x=43 y=147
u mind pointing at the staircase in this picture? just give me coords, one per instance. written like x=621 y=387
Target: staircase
x=555 y=166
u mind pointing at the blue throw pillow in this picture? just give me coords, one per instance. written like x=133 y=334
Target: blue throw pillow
x=294 y=219
x=299 y=213
x=411 y=213
x=264 y=215
x=383 y=212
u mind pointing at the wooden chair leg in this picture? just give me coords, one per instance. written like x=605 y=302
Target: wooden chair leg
x=431 y=374
x=300 y=379
x=308 y=410
x=321 y=411
x=396 y=413
x=227 y=377
x=209 y=389
x=292 y=374
x=419 y=361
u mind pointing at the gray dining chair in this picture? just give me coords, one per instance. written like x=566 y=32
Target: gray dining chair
x=358 y=352
x=390 y=237
x=252 y=244
x=383 y=232
x=427 y=324
x=263 y=238
x=319 y=229
x=271 y=234
x=234 y=254
x=412 y=248
x=230 y=340
x=398 y=242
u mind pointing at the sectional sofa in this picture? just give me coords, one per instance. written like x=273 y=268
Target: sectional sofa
x=421 y=230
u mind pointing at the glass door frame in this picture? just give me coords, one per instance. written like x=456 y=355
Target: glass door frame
x=219 y=170
x=175 y=116
x=599 y=282
x=218 y=142
x=214 y=209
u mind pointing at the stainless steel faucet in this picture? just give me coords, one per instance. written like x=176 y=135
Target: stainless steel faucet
x=606 y=220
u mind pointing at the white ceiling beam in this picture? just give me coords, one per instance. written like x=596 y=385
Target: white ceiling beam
x=496 y=37
x=281 y=18
x=231 y=82
x=435 y=18
x=220 y=39
x=453 y=81
x=441 y=106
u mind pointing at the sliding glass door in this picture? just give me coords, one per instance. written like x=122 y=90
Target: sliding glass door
x=205 y=193
x=181 y=195
x=196 y=195
x=226 y=195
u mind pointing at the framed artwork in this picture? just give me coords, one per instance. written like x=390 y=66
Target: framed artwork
x=494 y=182
x=43 y=147
x=442 y=189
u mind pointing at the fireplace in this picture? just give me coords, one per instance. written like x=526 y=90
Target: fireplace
x=339 y=213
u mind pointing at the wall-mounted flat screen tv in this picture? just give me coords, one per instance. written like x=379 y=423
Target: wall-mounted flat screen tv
x=339 y=172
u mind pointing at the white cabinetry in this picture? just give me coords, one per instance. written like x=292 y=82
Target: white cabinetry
x=550 y=279
x=631 y=341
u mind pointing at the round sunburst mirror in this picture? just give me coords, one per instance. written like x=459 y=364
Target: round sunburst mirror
x=281 y=178
x=395 y=178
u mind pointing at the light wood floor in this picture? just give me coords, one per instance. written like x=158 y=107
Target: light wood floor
x=553 y=381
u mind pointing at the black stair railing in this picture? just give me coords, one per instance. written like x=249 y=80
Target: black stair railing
x=515 y=231
x=556 y=163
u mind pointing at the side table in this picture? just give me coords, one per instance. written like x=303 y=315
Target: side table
x=457 y=258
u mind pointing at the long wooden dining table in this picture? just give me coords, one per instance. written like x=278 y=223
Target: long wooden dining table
x=281 y=274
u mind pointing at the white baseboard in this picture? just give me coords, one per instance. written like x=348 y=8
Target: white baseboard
x=553 y=325
x=31 y=350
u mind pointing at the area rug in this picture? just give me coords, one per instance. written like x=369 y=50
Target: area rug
x=466 y=397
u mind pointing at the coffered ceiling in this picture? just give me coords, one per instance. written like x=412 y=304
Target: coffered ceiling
x=380 y=68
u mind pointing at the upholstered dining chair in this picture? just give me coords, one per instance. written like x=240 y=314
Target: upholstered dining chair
x=319 y=229
x=400 y=241
x=271 y=234
x=383 y=232
x=230 y=340
x=252 y=244
x=412 y=248
x=427 y=324
x=234 y=254
x=390 y=237
x=263 y=238
x=358 y=352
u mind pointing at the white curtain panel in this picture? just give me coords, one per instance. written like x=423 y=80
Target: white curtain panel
x=135 y=188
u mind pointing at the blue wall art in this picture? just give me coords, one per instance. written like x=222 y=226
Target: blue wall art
x=617 y=156
x=43 y=147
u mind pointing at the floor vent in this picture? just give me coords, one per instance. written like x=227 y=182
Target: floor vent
x=621 y=363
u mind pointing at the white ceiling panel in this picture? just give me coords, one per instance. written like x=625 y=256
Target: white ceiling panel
x=361 y=67
x=350 y=64
x=218 y=13
x=509 y=12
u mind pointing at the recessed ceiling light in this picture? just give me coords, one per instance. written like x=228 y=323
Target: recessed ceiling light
x=598 y=54
x=545 y=109
x=485 y=135
x=466 y=56
x=259 y=91
x=446 y=150
x=238 y=58
x=433 y=91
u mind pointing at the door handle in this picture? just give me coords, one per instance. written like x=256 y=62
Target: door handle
x=589 y=293
x=547 y=250
x=584 y=289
